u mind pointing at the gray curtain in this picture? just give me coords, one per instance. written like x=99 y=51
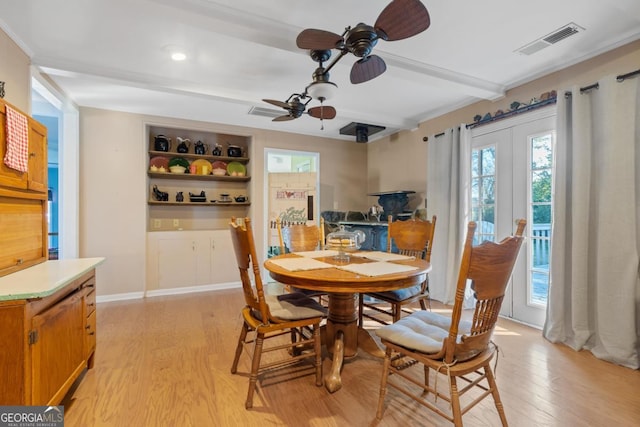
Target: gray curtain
x=594 y=295
x=448 y=163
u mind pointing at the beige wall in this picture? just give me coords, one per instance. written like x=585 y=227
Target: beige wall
x=14 y=71
x=398 y=162
x=113 y=159
x=113 y=185
x=113 y=198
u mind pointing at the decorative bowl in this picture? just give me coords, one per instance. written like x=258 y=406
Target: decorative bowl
x=177 y=169
x=179 y=161
x=219 y=172
x=202 y=166
x=236 y=169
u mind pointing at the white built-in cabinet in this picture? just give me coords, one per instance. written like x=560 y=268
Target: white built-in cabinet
x=187 y=259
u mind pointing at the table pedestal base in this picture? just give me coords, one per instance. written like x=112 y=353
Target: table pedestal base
x=343 y=337
x=333 y=381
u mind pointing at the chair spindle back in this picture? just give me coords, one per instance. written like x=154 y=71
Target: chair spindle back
x=488 y=266
x=245 y=249
x=300 y=237
x=413 y=237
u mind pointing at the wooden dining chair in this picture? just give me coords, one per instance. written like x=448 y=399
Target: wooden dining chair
x=301 y=238
x=413 y=237
x=272 y=316
x=449 y=346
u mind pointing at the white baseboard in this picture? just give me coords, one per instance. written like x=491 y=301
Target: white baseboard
x=165 y=292
x=192 y=289
x=120 y=297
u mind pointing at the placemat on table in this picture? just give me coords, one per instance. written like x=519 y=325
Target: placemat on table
x=382 y=256
x=300 y=264
x=379 y=268
x=317 y=254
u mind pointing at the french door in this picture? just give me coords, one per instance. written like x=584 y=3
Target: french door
x=511 y=178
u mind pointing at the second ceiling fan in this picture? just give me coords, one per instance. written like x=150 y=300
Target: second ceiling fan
x=296 y=105
x=401 y=19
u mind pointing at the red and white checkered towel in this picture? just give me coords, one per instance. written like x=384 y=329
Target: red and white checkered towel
x=17 y=154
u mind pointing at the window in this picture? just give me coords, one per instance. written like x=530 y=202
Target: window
x=483 y=200
x=541 y=180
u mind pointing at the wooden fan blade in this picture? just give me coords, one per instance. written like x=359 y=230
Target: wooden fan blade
x=367 y=68
x=277 y=103
x=324 y=112
x=402 y=19
x=283 y=118
x=318 y=39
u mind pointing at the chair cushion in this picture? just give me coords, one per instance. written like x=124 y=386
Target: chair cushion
x=294 y=306
x=399 y=294
x=423 y=331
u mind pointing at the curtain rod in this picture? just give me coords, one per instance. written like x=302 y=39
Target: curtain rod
x=619 y=79
x=511 y=113
x=623 y=77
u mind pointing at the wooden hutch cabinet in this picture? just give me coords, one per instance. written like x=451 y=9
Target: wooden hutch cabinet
x=48 y=334
x=23 y=202
x=47 y=308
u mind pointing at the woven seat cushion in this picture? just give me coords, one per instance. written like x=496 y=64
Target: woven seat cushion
x=294 y=306
x=423 y=331
x=399 y=294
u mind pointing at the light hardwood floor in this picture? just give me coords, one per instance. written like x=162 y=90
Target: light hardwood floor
x=166 y=361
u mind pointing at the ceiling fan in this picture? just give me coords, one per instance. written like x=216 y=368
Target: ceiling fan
x=401 y=19
x=296 y=105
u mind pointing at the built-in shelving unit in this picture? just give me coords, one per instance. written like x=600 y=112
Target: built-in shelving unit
x=189 y=177
x=176 y=214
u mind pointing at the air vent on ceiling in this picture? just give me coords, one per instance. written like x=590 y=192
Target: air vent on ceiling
x=265 y=112
x=551 y=38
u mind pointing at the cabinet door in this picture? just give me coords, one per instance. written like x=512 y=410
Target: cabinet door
x=37 y=175
x=224 y=267
x=22 y=233
x=58 y=351
x=177 y=263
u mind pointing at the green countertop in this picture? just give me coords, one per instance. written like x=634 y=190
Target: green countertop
x=44 y=279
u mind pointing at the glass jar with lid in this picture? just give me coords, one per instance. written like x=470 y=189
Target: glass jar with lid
x=344 y=242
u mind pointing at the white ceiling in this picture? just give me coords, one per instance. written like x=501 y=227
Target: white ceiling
x=113 y=54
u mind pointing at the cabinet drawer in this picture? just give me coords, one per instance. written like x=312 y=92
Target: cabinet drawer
x=90 y=302
x=90 y=338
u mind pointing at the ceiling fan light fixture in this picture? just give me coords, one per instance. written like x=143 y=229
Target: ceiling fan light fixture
x=322 y=90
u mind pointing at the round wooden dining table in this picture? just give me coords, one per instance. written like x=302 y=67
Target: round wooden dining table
x=342 y=335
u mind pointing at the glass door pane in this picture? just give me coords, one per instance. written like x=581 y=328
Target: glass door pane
x=541 y=180
x=511 y=178
x=483 y=194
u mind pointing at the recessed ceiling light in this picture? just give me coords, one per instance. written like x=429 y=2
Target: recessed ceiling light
x=175 y=52
x=178 y=56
